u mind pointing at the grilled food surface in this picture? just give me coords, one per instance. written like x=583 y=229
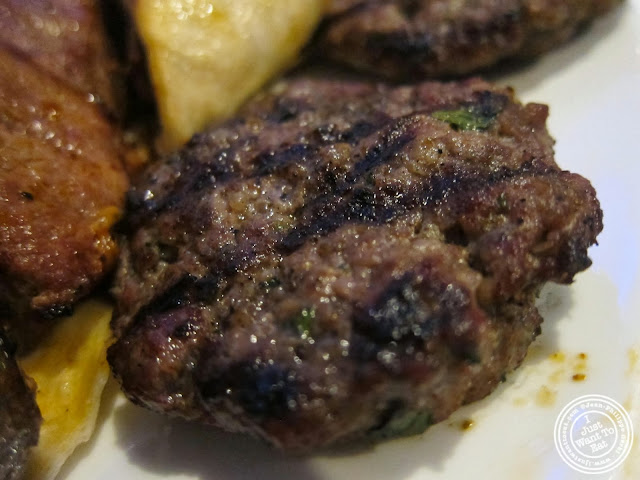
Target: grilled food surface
x=430 y=38
x=345 y=259
x=19 y=415
x=62 y=185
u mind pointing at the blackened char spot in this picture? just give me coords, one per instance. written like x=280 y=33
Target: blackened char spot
x=185 y=330
x=497 y=28
x=412 y=47
x=362 y=207
x=412 y=309
x=352 y=203
x=360 y=130
x=168 y=253
x=205 y=288
x=574 y=256
x=194 y=176
x=456 y=236
x=363 y=348
x=285 y=109
x=489 y=104
x=325 y=215
x=330 y=180
x=270 y=162
x=318 y=218
x=410 y=8
x=56 y=311
x=7 y=345
x=329 y=134
x=398 y=313
x=173 y=297
x=265 y=391
x=385 y=150
x=187 y=290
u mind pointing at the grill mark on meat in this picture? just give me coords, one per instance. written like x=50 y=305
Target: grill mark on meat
x=364 y=205
x=348 y=200
x=199 y=175
x=385 y=150
x=349 y=205
x=266 y=164
x=190 y=289
x=194 y=176
x=402 y=39
x=416 y=47
x=354 y=260
x=328 y=134
x=181 y=293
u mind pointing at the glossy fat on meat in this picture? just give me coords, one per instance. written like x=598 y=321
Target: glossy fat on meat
x=345 y=260
x=66 y=39
x=62 y=187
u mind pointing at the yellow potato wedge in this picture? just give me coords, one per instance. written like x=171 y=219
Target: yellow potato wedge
x=70 y=368
x=207 y=56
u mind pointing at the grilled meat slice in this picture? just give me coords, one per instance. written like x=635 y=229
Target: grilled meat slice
x=429 y=38
x=19 y=415
x=345 y=260
x=62 y=186
x=67 y=39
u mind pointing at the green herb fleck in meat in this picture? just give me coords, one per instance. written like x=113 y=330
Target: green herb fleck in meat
x=404 y=423
x=270 y=283
x=303 y=321
x=477 y=115
x=464 y=119
x=502 y=202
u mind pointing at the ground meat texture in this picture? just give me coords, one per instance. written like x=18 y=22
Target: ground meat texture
x=19 y=415
x=62 y=186
x=430 y=38
x=345 y=260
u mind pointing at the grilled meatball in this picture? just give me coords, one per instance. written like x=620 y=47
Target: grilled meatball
x=62 y=186
x=19 y=416
x=345 y=260
x=428 y=38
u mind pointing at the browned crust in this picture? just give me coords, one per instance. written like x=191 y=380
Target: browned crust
x=431 y=38
x=339 y=258
x=62 y=186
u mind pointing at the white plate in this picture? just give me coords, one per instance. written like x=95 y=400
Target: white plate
x=593 y=88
